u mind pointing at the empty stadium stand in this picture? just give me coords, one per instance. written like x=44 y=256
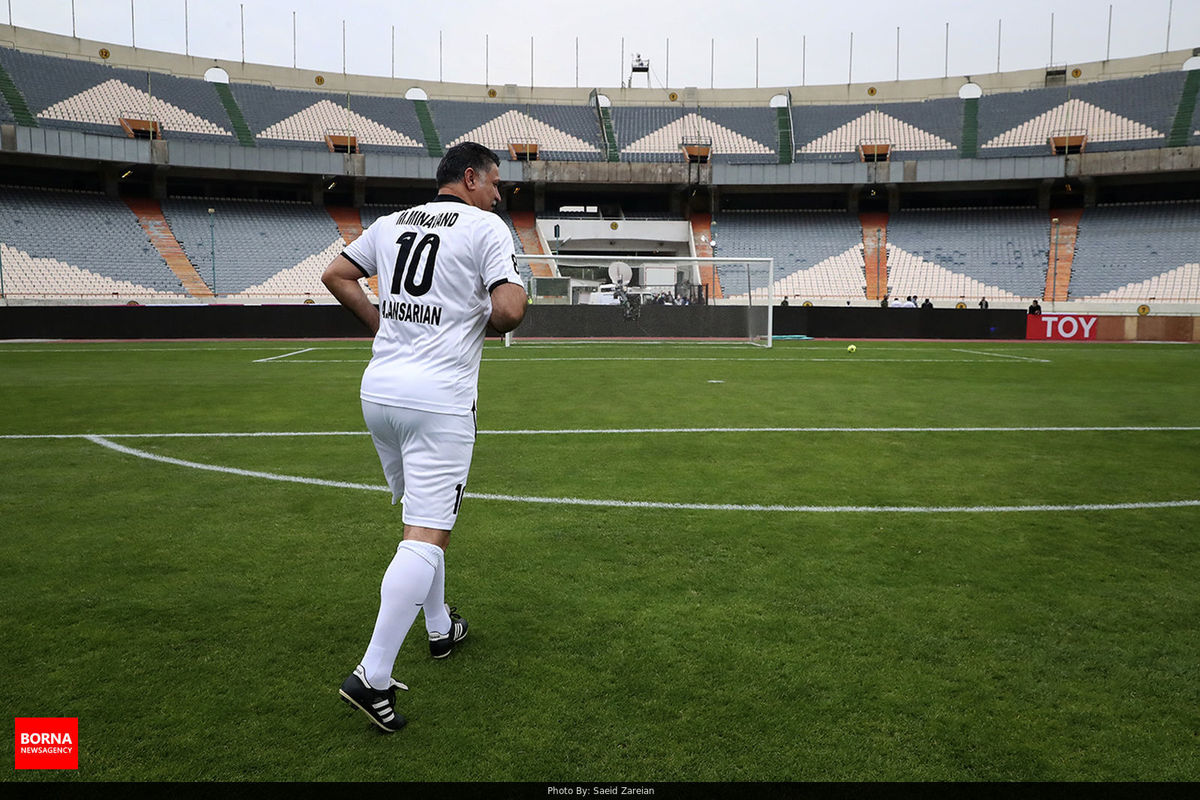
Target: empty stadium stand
x=562 y=132
x=818 y=254
x=965 y=253
x=81 y=95
x=929 y=129
x=78 y=245
x=1136 y=252
x=91 y=246
x=150 y=217
x=260 y=249
x=1154 y=110
x=1128 y=114
x=293 y=117
x=738 y=135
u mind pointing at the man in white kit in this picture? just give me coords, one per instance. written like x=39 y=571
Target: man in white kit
x=446 y=269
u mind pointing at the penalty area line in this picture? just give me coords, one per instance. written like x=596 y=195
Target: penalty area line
x=645 y=504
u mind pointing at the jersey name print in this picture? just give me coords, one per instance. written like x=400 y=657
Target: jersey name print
x=437 y=264
x=410 y=312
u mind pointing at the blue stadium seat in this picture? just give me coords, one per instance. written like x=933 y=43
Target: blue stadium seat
x=818 y=254
x=301 y=118
x=563 y=132
x=1126 y=114
x=929 y=129
x=92 y=246
x=964 y=252
x=739 y=135
x=1138 y=252
x=81 y=95
x=254 y=241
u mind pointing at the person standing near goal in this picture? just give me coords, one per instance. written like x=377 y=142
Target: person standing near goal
x=446 y=269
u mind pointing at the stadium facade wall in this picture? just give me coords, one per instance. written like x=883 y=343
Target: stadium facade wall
x=53 y=143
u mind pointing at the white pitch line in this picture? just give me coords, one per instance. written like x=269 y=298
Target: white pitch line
x=248 y=473
x=284 y=355
x=640 y=431
x=759 y=359
x=579 y=501
x=1003 y=355
x=1022 y=429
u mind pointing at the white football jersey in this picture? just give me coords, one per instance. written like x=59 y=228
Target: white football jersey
x=437 y=264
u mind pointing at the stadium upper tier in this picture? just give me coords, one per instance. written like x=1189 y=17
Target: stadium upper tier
x=1130 y=104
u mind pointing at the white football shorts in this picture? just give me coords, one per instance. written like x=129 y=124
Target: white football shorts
x=425 y=457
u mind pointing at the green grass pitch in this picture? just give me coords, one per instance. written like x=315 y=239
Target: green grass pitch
x=731 y=621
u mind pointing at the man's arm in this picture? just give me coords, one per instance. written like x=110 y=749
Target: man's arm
x=341 y=279
x=508 y=307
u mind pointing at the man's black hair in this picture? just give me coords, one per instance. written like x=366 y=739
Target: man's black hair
x=458 y=159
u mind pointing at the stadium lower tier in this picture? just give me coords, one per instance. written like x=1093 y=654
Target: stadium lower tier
x=60 y=246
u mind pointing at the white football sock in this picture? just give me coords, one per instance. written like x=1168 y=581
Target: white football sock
x=437 y=619
x=404 y=588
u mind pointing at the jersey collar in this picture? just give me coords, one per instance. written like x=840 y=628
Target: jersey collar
x=449 y=198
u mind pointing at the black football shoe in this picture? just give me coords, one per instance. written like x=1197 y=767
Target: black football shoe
x=379 y=705
x=442 y=644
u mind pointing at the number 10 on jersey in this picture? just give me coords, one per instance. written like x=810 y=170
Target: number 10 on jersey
x=408 y=260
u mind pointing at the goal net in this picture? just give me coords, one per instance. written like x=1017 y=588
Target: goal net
x=737 y=293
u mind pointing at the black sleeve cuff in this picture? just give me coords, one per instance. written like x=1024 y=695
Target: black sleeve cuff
x=498 y=283
x=346 y=256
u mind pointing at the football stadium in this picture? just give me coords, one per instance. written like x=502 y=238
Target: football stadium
x=851 y=432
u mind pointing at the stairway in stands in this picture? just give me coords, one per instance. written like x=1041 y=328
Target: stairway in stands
x=970 y=129
x=240 y=128
x=701 y=236
x=16 y=101
x=433 y=145
x=874 y=232
x=348 y=220
x=349 y=225
x=1062 y=252
x=526 y=224
x=1181 y=128
x=150 y=216
x=610 y=134
x=784 y=118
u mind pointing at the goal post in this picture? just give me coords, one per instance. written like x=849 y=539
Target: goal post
x=744 y=286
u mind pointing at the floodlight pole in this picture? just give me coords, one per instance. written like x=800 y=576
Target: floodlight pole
x=212 y=236
x=1054 y=274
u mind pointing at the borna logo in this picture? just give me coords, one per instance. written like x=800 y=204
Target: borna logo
x=47 y=742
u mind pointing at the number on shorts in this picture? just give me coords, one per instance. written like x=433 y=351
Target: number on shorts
x=458 y=496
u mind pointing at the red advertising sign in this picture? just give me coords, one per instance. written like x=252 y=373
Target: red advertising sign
x=47 y=742
x=1061 y=327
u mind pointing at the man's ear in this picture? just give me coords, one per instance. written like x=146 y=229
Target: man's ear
x=470 y=178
